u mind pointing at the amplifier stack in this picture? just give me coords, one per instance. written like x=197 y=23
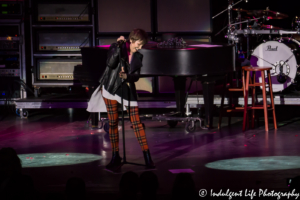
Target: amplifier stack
x=58 y=30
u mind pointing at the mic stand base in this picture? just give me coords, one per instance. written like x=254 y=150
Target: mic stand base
x=123 y=133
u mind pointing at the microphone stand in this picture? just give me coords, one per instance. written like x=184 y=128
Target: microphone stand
x=123 y=127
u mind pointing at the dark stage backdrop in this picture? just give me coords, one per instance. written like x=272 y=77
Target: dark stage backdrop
x=184 y=16
x=123 y=16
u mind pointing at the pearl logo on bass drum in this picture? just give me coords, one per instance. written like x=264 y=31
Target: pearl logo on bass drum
x=282 y=59
x=269 y=48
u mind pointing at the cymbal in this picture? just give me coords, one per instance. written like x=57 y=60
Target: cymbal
x=270 y=14
x=239 y=10
x=244 y=18
x=254 y=27
x=263 y=26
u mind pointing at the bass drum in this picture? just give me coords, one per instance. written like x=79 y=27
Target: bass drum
x=280 y=55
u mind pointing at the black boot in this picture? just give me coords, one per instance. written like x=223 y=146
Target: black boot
x=148 y=161
x=115 y=162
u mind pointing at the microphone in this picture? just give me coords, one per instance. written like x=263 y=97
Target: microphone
x=122 y=72
x=120 y=43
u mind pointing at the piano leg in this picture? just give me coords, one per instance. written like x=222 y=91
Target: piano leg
x=179 y=84
x=208 y=94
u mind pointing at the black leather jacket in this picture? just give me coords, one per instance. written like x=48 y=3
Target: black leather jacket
x=110 y=78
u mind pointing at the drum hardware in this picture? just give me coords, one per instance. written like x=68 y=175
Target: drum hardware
x=270 y=37
x=239 y=15
x=239 y=10
x=284 y=32
x=229 y=8
x=290 y=39
x=281 y=76
x=280 y=40
x=270 y=14
x=263 y=26
x=249 y=20
x=232 y=35
x=239 y=18
x=265 y=32
x=279 y=54
x=232 y=38
x=254 y=26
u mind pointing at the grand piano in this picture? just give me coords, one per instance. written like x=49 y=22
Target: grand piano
x=204 y=61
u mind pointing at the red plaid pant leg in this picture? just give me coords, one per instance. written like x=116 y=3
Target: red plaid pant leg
x=138 y=128
x=113 y=120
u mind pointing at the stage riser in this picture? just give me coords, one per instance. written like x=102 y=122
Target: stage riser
x=193 y=101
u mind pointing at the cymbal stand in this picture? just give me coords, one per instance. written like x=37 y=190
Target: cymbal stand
x=229 y=8
x=247 y=21
x=239 y=18
x=221 y=30
x=229 y=32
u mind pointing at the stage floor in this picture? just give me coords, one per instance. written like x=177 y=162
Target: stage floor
x=55 y=145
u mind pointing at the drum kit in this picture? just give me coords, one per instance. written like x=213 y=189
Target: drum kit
x=279 y=48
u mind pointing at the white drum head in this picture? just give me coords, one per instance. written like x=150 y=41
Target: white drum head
x=274 y=54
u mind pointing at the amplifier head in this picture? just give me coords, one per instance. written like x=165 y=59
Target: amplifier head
x=63 y=41
x=57 y=69
x=57 y=12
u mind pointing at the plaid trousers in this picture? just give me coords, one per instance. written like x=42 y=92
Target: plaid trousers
x=113 y=120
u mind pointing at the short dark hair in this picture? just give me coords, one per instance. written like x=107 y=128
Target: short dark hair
x=138 y=34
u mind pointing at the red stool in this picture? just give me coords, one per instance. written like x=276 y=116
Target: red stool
x=254 y=107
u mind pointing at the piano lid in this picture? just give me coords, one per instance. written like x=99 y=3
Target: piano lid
x=195 y=44
x=197 y=58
